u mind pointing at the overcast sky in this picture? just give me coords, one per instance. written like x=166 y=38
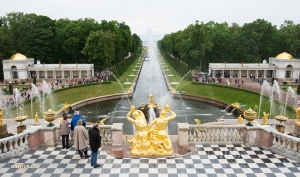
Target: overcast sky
x=161 y=16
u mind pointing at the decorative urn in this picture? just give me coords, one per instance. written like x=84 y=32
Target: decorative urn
x=20 y=119
x=249 y=115
x=50 y=116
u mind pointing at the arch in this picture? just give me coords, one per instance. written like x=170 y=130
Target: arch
x=14 y=72
x=289 y=71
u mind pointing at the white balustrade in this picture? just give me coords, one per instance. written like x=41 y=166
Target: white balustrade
x=286 y=145
x=216 y=134
x=11 y=147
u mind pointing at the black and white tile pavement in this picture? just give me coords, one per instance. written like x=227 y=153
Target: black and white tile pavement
x=210 y=160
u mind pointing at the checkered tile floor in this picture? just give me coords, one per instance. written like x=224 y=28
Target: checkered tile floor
x=211 y=160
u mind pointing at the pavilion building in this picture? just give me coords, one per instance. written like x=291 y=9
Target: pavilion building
x=284 y=67
x=19 y=67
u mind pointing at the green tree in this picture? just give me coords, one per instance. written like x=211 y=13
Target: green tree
x=34 y=80
x=298 y=90
x=200 y=41
x=100 y=48
x=10 y=89
x=40 y=38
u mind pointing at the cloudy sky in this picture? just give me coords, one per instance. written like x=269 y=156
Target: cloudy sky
x=161 y=16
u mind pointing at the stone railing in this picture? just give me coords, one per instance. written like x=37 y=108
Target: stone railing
x=106 y=134
x=13 y=145
x=286 y=145
x=216 y=134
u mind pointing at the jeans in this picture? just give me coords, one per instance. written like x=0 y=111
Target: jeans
x=65 y=141
x=94 y=157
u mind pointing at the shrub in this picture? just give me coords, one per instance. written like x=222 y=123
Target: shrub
x=298 y=90
x=22 y=82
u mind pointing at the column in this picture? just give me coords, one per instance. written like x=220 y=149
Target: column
x=46 y=74
x=240 y=74
x=62 y=74
x=80 y=73
x=222 y=74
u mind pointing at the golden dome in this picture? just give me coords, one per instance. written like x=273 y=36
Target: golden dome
x=18 y=56
x=284 y=55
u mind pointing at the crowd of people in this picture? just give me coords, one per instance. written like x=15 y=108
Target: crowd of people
x=100 y=76
x=82 y=138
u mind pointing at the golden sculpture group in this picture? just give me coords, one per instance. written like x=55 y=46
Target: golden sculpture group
x=149 y=141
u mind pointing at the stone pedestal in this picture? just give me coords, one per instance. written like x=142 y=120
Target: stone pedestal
x=21 y=128
x=297 y=129
x=3 y=131
x=280 y=128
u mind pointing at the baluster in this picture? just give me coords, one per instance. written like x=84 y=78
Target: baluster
x=5 y=147
x=283 y=148
x=289 y=148
x=230 y=135
x=26 y=141
x=10 y=147
x=217 y=136
x=238 y=135
x=221 y=135
x=234 y=135
x=274 y=141
x=213 y=133
x=225 y=134
x=208 y=133
x=200 y=137
x=21 y=144
x=190 y=135
x=294 y=152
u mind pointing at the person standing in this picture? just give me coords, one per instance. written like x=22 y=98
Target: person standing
x=75 y=120
x=95 y=144
x=64 y=131
x=81 y=139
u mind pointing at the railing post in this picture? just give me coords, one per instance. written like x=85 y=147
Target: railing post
x=117 y=139
x=117 y=134
x=183 y=135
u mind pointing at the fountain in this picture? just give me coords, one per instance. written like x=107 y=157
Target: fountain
x=127 y=82
x=152 y=80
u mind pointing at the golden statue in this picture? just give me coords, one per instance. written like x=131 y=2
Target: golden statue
x=101 y=122
x=240 y=120
x=36 y=119
x=162 y=138
x=151 y=99
x=198 y=122
x=1 y=122
x=265 y=118
x=297 y=116
x=236 y=105
x=140 y=143
x=65 y=106
x=148 y=141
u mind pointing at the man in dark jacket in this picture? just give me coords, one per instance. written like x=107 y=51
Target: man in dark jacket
x=95 y=144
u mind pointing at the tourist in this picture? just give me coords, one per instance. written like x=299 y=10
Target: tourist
x=75 y=120
x=81 y=139
x=64 y=131
x=95 y=144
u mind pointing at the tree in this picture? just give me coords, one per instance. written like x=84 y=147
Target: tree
x=34 y=80
x=100 y=48
x=10 y=89
x=136 y=41
x=200 y=41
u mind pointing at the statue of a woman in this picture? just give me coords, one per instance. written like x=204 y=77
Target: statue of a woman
x=265 y=118
x=36 y=119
